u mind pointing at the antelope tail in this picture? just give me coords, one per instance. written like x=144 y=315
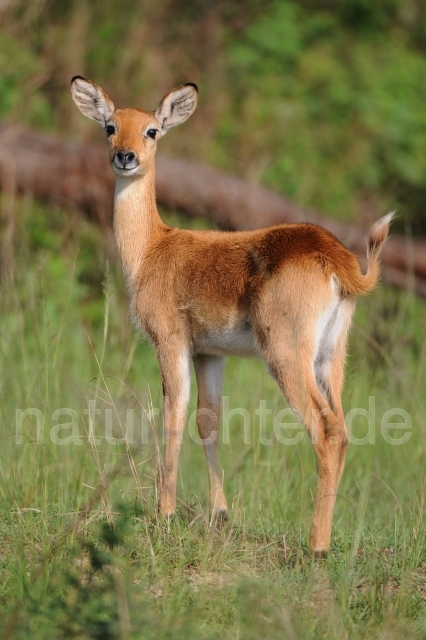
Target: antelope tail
x=355 y=283
x=376 y=238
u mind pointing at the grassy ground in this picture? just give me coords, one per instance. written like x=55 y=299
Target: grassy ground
x=82 y=552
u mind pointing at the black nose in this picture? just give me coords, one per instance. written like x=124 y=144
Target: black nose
x=125 y=158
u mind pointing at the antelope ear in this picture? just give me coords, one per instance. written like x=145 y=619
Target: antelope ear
x=92 y=101
x=177 y=106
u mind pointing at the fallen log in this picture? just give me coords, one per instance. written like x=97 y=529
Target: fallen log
x=78 y=175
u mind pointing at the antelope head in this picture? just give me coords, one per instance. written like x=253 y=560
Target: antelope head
x=132 y=134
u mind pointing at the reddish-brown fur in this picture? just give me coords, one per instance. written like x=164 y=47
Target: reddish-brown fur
x=285 y=293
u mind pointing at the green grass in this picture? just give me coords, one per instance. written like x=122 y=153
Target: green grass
x=82 y=551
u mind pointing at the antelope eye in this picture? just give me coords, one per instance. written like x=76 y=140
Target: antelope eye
x=110 y=130
x=151 y=133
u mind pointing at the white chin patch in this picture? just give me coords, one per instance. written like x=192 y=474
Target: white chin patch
x=124 y=172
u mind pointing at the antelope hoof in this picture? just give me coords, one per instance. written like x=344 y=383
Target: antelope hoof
x=320 y=554
x=166 y=511
x=219 y=517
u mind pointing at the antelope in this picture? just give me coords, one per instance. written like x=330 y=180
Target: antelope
x=285 y=293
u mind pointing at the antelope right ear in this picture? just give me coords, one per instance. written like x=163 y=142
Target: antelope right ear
x=92 y=100
x=177 y=106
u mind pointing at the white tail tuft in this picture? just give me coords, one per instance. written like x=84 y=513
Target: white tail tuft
x=378 y=234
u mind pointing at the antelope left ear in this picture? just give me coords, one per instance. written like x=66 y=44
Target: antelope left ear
x=92 y=100
x=177 y=106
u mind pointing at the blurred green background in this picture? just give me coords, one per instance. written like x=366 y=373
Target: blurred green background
x=324 y=102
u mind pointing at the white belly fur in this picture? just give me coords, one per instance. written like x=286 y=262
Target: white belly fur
x=229 y=341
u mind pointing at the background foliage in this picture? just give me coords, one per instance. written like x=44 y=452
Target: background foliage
x=323 y=101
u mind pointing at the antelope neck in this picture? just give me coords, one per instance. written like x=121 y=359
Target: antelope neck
x=136 y=219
